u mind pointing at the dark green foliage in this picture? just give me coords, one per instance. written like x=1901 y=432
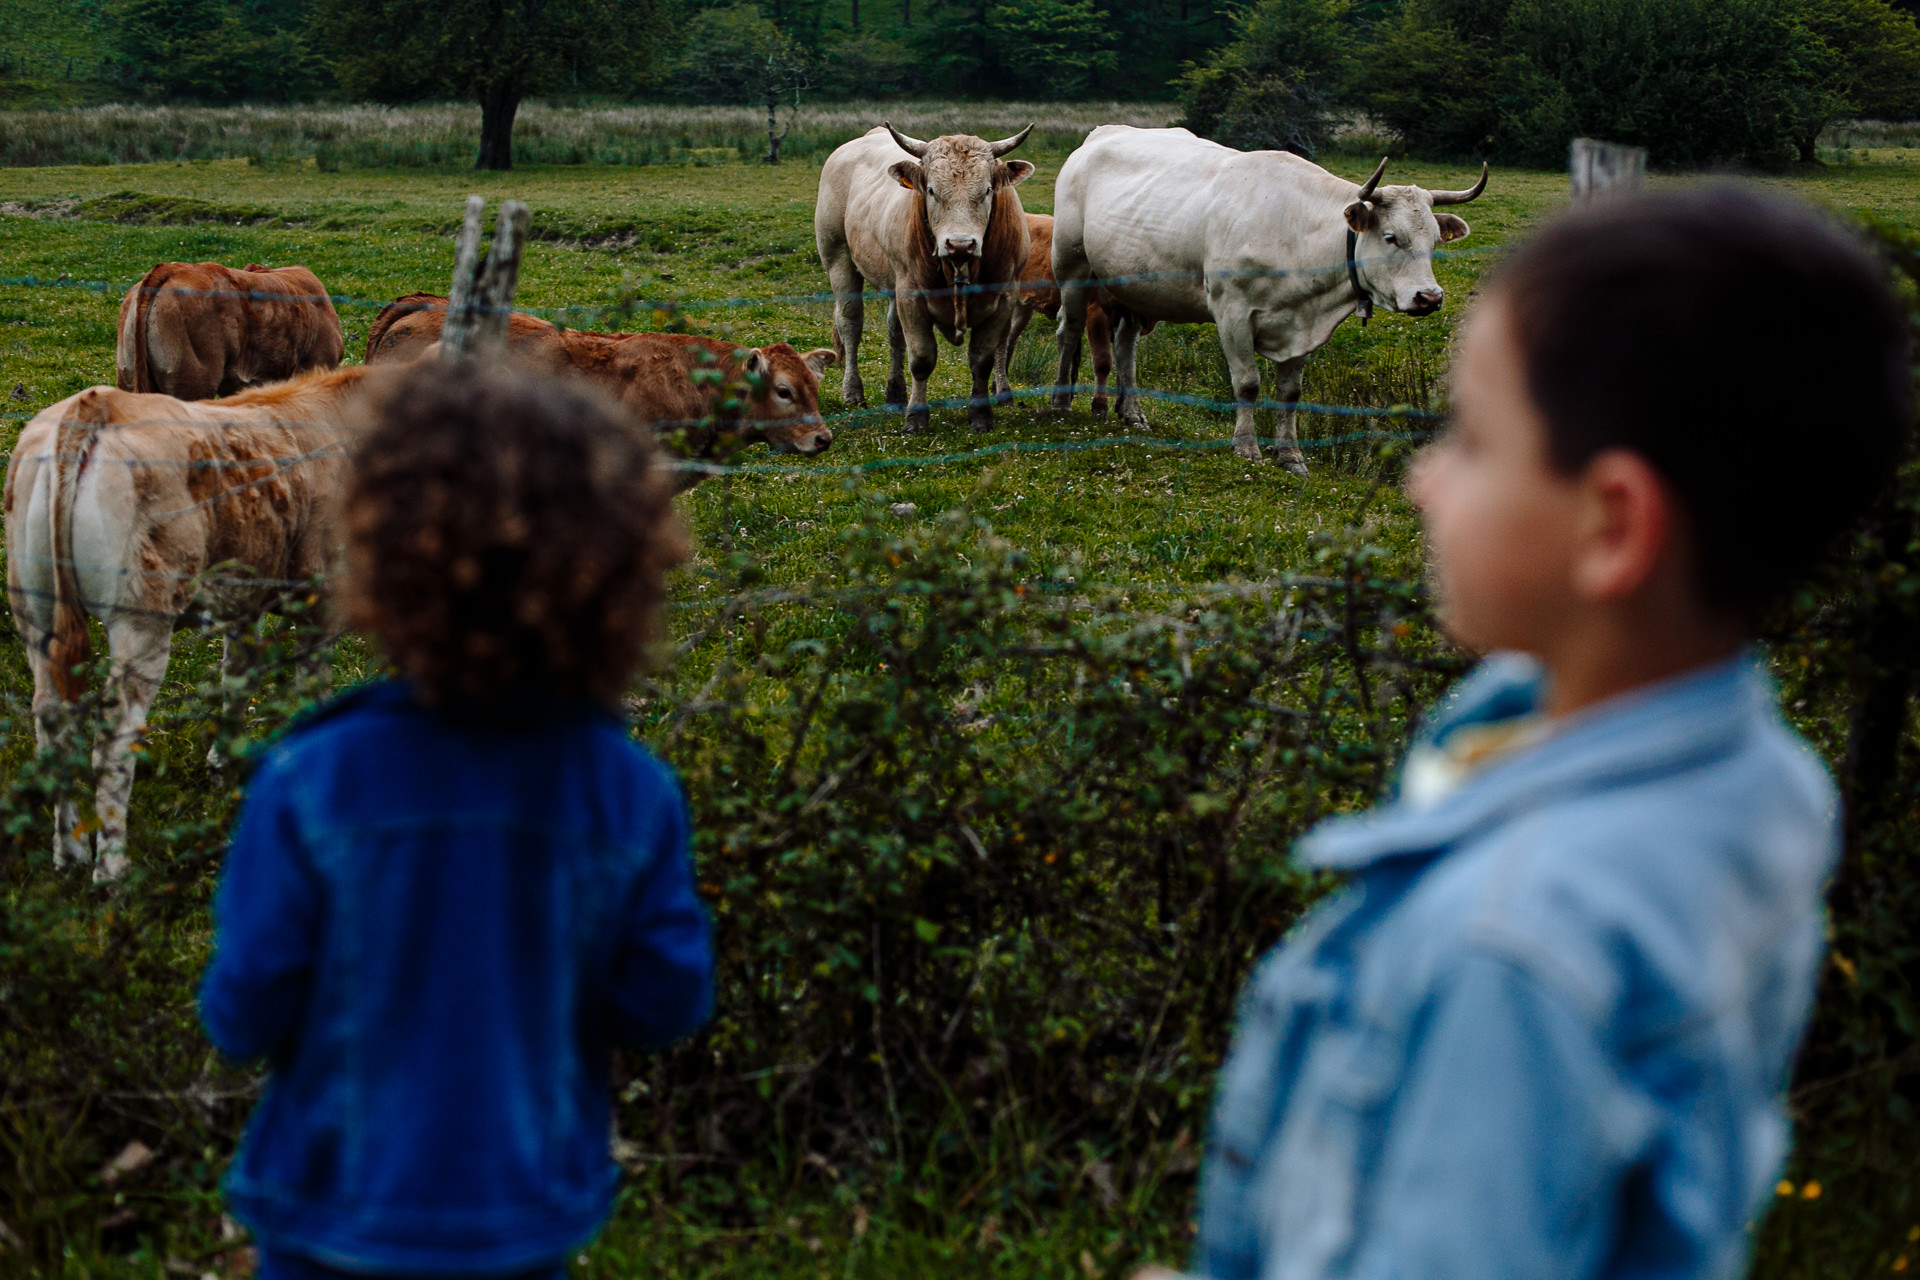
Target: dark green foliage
x=1851 y=651
x=1284 y=83
x=1696 y=82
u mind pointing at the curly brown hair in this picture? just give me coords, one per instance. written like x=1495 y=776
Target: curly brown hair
x=507 y=535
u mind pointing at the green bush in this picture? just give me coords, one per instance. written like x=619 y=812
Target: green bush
x=1284 y=83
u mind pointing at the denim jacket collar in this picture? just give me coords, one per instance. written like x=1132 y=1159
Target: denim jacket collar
x=1696 y=716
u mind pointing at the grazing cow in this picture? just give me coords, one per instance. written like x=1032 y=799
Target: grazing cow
x=1271 y=248
x=195 y=330
x=1038 y=292
x=117 y=505
x=650 y=373
x=936 y=225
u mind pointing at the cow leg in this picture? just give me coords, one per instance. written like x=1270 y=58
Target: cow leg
x=897 y=358
x=1288 y=375
x=1003 y=358
x=1243 y=368
x=849 y=318
x=1126 y=337
x=139 y=646
x=1100 y=339
x=53 y=720
x=922 y=354
x=1073 y=322
x=984 y=345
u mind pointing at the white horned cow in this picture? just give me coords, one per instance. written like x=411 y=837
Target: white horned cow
x=1271 y=248
x=936 y=225
x=117 y=505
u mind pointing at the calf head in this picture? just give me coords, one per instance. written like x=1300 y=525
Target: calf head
x=957 y=179
x=1397 y=231
x=784 y=408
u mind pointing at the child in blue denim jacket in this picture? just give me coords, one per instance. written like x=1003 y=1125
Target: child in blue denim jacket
x=450 y=895
x=1546 y=1029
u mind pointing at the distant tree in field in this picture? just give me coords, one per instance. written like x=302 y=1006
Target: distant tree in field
x=1876 y=65
x=495 y=52
x=1283 y=83
x=212 y=50
x=736 y=54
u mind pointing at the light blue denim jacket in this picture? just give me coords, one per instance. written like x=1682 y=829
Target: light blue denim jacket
x=1546 y=1030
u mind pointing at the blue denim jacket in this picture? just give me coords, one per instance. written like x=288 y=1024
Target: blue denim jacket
x=1546 y=1030
x=434 y=931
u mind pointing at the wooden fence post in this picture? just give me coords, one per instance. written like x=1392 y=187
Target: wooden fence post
x=1605 y=169
x=480 y=300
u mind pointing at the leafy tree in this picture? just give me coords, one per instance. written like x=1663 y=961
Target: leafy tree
x=1876 y=70
x=212 y=50
x=1055 y=46
x=1284 y=81
x=495 y=52
x=865 y=64
x=736 y=54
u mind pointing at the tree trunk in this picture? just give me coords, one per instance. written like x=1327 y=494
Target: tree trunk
x=498 y=103
x=773 y=137
x=1807 y=153
x=856 y=16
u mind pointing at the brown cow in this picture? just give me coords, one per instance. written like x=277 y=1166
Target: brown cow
x=651 y=373
x=1038 y=292
x=117 y=506
x=931 y=224
x=195 y=330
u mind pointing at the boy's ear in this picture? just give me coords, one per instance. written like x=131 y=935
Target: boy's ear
x=1360 y=216
x=1451 y=227
x=906 y=173
x=1632 y=526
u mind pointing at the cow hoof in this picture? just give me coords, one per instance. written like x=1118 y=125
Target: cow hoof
x=980 y=419
x=1137 y=423
x=1099 y=406
x=896 y=395
x=1062 y=403
x=853 y=398
x=918 y=422
x=1295 y=464
x=1248 y=451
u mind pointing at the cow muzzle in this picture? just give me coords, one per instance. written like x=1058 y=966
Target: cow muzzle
x=960 y=247
x=1426 y=302
x=806 y=441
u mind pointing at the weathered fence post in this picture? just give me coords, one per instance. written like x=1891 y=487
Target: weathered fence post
x=1605 y=169
x=480 y=300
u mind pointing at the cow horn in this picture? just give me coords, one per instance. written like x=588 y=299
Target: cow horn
x=912 y=146
x=1005 y=145
x=1461 y=197
x=1366 y=192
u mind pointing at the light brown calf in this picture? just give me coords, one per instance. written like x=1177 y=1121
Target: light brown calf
x=1039 y=293
x=195 y=330
x=651 y=373
x=117 y=506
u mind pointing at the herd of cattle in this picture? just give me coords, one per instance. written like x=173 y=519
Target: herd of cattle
x=203 y=485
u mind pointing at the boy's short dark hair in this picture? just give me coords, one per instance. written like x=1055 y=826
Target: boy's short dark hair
x=1749 y=346
x=507 y=534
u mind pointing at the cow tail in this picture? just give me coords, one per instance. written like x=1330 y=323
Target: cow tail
x=68 y=645
x=133 y=333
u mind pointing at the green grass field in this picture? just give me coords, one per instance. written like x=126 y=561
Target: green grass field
x=1147 y=516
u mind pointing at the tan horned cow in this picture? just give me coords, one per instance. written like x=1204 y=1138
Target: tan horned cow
x=650 y=373
x=938 y=226
x=1039 y=292
x=118 y=504
x=196 y=330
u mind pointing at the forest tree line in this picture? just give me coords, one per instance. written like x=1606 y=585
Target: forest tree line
x=1695 y=81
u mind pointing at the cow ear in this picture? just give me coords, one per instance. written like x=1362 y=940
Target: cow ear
x=1360 y=216
x=1451 y=227
x=757 y=363
x=906 y=173
x=254 y=266
x=1017 y=171
x=819 y=358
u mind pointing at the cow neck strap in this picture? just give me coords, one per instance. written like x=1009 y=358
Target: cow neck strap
x=1353 y=275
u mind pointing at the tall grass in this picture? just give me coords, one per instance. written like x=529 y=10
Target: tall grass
x=441 y=135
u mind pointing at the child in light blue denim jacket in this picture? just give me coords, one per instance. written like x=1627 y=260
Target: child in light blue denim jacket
x=1546 y=1029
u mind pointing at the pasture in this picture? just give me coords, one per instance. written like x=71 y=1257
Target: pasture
x=930 y=690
